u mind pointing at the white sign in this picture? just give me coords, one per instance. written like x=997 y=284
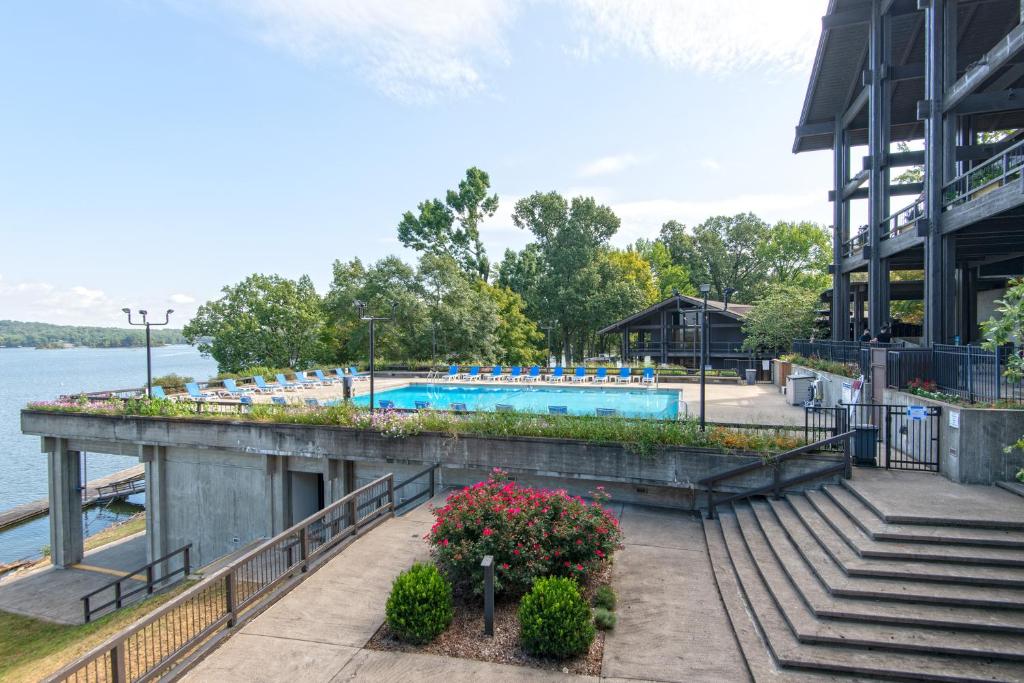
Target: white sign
x=954 y=419
x=766 y=365
x=847 y=393
x=917 y=413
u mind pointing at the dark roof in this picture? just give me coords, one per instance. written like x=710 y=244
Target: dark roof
x=842 y=57
x=735 y=311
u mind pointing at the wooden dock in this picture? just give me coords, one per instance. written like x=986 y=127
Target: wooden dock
x=122 y=483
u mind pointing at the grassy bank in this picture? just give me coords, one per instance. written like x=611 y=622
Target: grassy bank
x=636 y=435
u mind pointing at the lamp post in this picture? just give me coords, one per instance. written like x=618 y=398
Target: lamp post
x=149 y=354
x=361 y=307
x=704 y=290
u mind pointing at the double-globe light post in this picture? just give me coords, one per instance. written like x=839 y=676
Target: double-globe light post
x=361 y=308
x=149 y=353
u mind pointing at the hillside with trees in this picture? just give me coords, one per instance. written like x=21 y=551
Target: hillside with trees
x=44 y=335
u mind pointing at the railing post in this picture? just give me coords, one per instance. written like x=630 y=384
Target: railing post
x=85 y=608
x=776 y=477
x=970 y=374
x=149 y=579
x=995 y=365
x=188 y=560
x=391 y=492
x=117 y=667
x=117 y=595
x=711 y=500
x=303 y=550
x=351 y=512
x=229 y=597
x=432 y=480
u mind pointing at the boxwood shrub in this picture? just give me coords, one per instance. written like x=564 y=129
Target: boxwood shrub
x=420 y=605
x=554 y=619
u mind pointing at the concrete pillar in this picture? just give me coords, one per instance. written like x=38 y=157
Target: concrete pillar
x=276 y=494
x=858 y=312
x=934 y=87
x=66 y=544
x=154 y=460
x=840 y=233
x=334 y=484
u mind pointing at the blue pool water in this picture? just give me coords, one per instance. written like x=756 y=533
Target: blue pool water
x=648 y=403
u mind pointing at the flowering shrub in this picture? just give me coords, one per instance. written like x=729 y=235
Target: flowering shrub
x=923 y=384
x=531 y=533
x=389 y=423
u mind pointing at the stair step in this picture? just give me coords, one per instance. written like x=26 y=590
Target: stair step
x=839 y=583
x=825 y=605
x=809 y=629
x=867 y=547
x=854 y=565
x=868 y=520
x=1012 y=487
x=760 y=662
x=790 y=652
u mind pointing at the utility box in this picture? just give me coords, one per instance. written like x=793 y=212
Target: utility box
x=796 y=388
x=782 y=370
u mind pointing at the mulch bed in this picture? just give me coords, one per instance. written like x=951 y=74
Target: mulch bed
x=465 y=637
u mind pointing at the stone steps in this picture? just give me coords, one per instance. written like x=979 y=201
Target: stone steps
x=880 y=530
x=831 y=574
x=1012 y=486
x=809 y=629
x=850 y=657
x=865 y=546
x=950 y=517
x=854 y=565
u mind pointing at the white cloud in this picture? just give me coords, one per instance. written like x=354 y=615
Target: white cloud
x=408 y=49
x=607 y=165
x=182 y=299
x=711 y=164
x=707 y=37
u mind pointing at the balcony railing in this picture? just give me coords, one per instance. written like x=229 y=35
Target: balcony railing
x=690 y=348
x=856 y=244
x=903 y=221
x=982 y=179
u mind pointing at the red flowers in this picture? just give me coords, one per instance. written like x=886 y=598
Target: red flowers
x=487 y=531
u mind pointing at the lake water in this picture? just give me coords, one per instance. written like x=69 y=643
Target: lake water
x=40 y=375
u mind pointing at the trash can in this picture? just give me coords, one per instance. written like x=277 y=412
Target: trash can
x=751 y=376
x=865 y=440
x=346 y=387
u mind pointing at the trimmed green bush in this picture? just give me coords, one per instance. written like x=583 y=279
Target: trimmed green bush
x=604 y=619
x=605 y=597
x=554 y=619
x=420 y=605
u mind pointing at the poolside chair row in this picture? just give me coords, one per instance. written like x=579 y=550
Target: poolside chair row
x=500 y=408
x=520 y=374
x=261 y=386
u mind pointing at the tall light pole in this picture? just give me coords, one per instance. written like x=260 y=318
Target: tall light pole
x=149 y=354
x=704 y=290
x=361 y=307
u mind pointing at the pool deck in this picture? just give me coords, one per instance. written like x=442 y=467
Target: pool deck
x=724 y=402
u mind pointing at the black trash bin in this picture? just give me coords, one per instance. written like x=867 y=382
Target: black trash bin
x=751 y=376
x=865 y=440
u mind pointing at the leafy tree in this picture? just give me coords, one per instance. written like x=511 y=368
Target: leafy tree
x=1006 y=329
x=464 y=317
x=519 y=340
x=263 y=320
x=725 y=251
x=434 y=230
x=912 y=174
x=786 y=313
x=797 y=253
x=520 y=271
x=670 y=276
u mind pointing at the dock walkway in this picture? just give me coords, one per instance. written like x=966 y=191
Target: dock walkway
x=93 y=492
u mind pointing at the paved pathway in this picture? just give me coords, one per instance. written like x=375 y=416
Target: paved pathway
x=56 y=594
x=672 y=626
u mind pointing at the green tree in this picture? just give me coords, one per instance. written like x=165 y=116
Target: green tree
x=725 y=251
x=796 y=253
x=464 y=317
x=785 y=313
x=1008 y=328
x=519 y=340
x=264 y=320
x=520 y=271
x=670 y=276
x=452 y=227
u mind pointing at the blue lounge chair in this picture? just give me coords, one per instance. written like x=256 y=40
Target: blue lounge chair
x=504 y=408
x=557 y=375
x=474 y=373
x=580 y=375
x=263 y=387
x=356 y=375
x=324 y=379
x=386 y=404
x=495 y=373
x=278 y=400
x=246 y=401
x=342 y=373
x=533 y=375
x=157 y=391
x=516 y=374
x=625 y=376
x=422 y=405
x=232 y=390
x=558 y=410
x=606 y=412
x=312 y=403
x=300 y=377
x=284 y=383
x=453 y=373
x=648 y=377
x=194 y=393
x=458 y=407
x=602 y=375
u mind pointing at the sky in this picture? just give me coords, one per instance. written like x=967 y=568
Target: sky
x=154 y=151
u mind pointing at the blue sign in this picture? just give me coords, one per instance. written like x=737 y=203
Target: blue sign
x=917 y=413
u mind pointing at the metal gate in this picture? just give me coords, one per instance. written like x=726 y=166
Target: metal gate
x=907 y=437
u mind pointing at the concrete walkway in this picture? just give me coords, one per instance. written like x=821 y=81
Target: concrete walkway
x=56 y=594
x=672 y=626
x=672 y=623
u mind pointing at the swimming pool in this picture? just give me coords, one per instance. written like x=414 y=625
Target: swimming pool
x=650 y=403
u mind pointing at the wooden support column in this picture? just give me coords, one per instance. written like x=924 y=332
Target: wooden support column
x=938 y=274
x=65 y=473
x=664 y=337
x=840 y=232
x=878 y=148
x=858 y=313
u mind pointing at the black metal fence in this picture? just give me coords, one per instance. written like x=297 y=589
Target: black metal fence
x=905 y=437
x=970 y=373
x=842 y=351
x=121 y=590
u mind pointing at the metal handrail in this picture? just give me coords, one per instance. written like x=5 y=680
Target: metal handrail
x=708 y=483
x=857 y=242
x=120 y=596
x=995 y=172
x=204 y=614
x=427 y=493
x=902 y=220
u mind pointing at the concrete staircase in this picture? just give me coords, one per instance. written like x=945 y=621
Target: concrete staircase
x=822 y=584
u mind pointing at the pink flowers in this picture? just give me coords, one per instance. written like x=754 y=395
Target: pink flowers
x=488 y=531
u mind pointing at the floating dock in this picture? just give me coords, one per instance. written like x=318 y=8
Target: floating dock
x=118 y=485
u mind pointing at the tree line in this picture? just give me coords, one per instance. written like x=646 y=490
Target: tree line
x=455 y=305
x=45 y=335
